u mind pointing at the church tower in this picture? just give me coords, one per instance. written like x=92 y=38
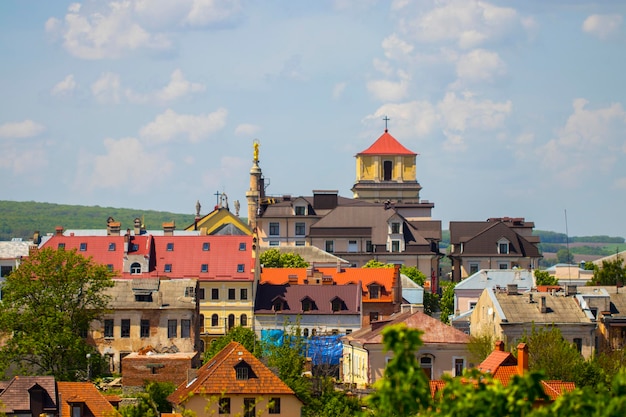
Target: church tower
x=256 y=191
x=385 y=172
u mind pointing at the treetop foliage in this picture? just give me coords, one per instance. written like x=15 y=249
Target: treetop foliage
x=544 y=278
x=610 y=273
x=48 y=303
x=274 y=258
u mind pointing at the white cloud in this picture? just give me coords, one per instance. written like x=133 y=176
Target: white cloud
x=211 y=12
x=127 y=160
x=108 y=33
x=107 y=88
x=591 y=141
x=229 y=168
x=170 y=125
x=64 y=87
x=479 y=65
x=23 y=129
x=178 y=87
x=247 y=129
x=338 y=90
x=460 y=113
x=387 y=90
x=24 y=161
x=468 y=23
x=395 y=47
x=408 y=119
x=620 y=183
x=602 y=26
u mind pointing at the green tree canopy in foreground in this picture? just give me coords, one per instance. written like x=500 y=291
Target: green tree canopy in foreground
x=48 y=304
x=544 y=278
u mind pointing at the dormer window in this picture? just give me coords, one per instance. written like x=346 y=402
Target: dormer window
x=243 y=371
x=374 y=291
x=61 y=246
x=278 y=304
x=336 y=304
x=300 y=210
x=307 y=304
x=395 y=228
x=503 y=247
x=135 y=268
x=170 y=246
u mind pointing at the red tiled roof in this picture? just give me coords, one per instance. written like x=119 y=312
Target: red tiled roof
x=386 y=145
x=495 y=360
x=185 y=260
x=218 y=377
x=86 y=393
x=365 y=276
x=555 y=389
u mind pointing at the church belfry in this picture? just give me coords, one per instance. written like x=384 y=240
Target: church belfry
x=386 y=172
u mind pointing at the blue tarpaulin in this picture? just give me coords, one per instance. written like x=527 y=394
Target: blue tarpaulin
x=323 y=350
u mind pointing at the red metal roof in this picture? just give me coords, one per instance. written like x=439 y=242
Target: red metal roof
x=387 y=145
x=184 y=254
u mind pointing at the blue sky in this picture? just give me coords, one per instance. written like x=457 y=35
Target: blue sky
x=516 y=108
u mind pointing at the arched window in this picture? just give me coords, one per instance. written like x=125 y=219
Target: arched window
x=306 y=332
x=135 y=268
x=243 y=320
x=215 y=320
x=201 y=321
x=231 y=321
x=387 y=170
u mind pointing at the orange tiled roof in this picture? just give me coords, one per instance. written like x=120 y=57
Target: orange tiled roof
x=387 y=145
x=365 y=276
x=495 y=360
x=86 y=393
x=555 y=389
x=217 y=377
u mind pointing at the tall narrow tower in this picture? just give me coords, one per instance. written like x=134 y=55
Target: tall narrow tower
x=255 y=192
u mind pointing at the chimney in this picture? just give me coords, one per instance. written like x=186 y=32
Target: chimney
x=59 y=230
x=113 y=227
x=126 y=241
x=168 y=228
x=293 y=279
x=542 y=307
x=338 y=266
x=500 y=346
x=511 y=289
x=137 y=224
x=571 y=290
x=36 y=238
x=522 y=358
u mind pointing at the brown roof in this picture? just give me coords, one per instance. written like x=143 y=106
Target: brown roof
x=479 y=238
x=217 y=377
x=86 y=393
x=434 y=330
x=16 y=396
x=559 y=309
x=321 y=296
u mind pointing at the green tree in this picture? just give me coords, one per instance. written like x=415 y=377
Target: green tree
x=414 y=274
x=332 y=402
x=447 y=301
x=243 y=335
x=273 y=258
x=48 y=304
x=480 y=347
x=564 y=256
x=611 y=273
x=544 y=278
x=557 y=358
x=373 y=263
x=404 y=389
x=431 y=301
x=288 y=358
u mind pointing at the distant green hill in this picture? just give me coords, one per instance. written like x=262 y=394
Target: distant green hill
x=20 y=219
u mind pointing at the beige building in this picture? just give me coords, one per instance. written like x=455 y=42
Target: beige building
x=147 y=312
x=507 y=314
x=444 y=350
x=234 y=382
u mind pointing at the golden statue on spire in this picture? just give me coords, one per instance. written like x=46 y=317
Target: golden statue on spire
x=255 y=145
